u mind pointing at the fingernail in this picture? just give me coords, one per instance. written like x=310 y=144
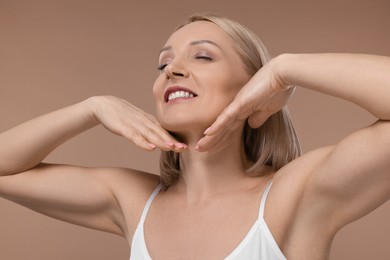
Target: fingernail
x=207 y=131
x=180 y=145
x=152 y=146
x=197 y=148
x=169 y=143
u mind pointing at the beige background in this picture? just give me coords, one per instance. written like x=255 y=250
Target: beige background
x=54 y=53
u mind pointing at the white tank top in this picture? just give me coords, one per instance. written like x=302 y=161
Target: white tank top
x=257 y=244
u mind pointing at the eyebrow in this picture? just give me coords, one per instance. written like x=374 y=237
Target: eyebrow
x=168 y=48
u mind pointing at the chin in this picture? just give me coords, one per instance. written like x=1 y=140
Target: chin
x=182 y=125
x=194 y=120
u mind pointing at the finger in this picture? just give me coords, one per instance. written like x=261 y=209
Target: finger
x=140 y=141
x=161 y=138
x=216 y=142
x=227 y=117
x=164 y=135
x=145 y=144
x=134 y=136
x=210 y=141
x=207 y=142
x=154 y=138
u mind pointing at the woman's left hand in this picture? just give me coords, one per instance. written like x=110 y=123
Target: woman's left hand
x=263 y=95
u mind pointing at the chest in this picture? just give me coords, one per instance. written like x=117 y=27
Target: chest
x=205 y=231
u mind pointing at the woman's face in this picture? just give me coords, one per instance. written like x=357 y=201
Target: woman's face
x=200 y=75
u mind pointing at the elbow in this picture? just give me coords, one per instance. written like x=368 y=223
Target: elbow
x=381 y=132
x=9 y=169
x=381 y=111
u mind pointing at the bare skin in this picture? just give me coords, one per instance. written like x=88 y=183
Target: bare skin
x=311 y=198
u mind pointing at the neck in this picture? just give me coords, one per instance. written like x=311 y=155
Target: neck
x=213 y=172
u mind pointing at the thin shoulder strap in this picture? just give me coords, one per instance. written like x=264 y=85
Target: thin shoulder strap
x=149 y=202
x=263 y=200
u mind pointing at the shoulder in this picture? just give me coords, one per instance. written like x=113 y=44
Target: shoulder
x=137 y=179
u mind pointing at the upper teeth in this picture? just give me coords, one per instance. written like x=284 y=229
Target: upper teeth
x=179 y=94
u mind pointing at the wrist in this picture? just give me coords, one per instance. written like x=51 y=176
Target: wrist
x=284 y=69
x=91 y=106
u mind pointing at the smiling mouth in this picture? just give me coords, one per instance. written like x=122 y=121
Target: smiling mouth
x=178 y=93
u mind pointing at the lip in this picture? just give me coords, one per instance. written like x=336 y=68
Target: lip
x=172 y=89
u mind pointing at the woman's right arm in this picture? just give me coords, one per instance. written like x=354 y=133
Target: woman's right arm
x=84 y=196
x=26 y=145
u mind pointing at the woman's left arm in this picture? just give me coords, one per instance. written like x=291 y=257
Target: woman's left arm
x=353 y=177
x=360 y=78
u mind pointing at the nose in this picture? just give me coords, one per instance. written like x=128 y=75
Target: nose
x=175 y=70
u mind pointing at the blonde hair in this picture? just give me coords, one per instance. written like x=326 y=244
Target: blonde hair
x=275 y=143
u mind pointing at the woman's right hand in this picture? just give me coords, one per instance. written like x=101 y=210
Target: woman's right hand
x=124 y=119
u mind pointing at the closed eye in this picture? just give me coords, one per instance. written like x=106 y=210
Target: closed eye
x=203 y=57
x=161 y=67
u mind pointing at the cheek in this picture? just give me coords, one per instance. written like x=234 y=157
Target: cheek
x=235 y=85
x=233 y=79
x=157 y=94
x=156 y=88
x=228 y=89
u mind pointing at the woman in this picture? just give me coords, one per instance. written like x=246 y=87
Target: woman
x=232 y=185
